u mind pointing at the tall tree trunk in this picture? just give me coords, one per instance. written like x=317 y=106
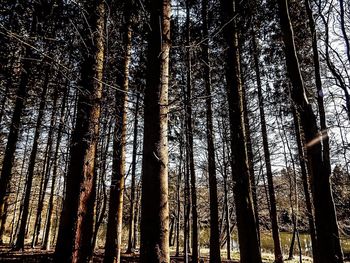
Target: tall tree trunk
x=246 y=222
x=76 y=223
x=155 y=206
x=226 y=157
x=305 y=182
x=30 y=172
x=189 y=138
x=320 y=94
x=131 y=245
x=115 y=214
x=45 y=171
x=214 y=218
x=271 y=188
x=46 y=236
x=100 y=213
x=187 y=203
x=178 y=195
x=227 y=219
x=328 y=242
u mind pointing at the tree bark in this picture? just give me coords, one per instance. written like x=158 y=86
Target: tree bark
x=155 y=207
x=76 y=223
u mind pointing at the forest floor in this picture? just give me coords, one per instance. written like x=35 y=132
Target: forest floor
x=40 y=256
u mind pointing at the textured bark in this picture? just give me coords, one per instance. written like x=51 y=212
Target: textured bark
x=115 y=214
x=155 y=207
x=76 y=223
x=328 y=242
x=246 y=223
x=213 y=196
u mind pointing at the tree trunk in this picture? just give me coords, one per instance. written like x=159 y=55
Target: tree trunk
x=214 y=219
x=271 y=188
x=115 y=214
x=320 y=94
x=45 y=171
x=305 y=181
x=76 y=223
x=46 y=237
x=328 y=242
x=178 y=194
x=189 y=139
x=246 y=223
x=131 y=245
x=155 y=207
x=101 y=208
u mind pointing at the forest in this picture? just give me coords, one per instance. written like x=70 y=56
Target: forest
x=163 y=131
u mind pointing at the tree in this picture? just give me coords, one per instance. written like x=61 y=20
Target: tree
x=267 y=155
x=189 y=136
x=154 y=202
x=131 y=243
x=246 y=223
x=75 y=231
x=214 y=220
x=115 y=215
x=328 y=242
